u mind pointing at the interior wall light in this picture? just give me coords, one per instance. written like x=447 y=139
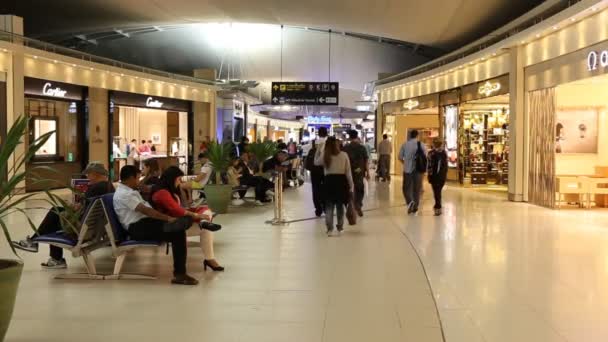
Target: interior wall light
x=35 y=57
x=54 y=61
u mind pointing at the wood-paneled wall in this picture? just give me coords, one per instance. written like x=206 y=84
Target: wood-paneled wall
x=541 y=174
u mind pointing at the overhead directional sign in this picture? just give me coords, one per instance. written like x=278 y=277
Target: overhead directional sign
x=305 y=93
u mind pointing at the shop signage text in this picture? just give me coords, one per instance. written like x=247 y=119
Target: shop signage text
x=489 y=88
x=305 y=93
x=48 y=90
x=596 y=59
x=152 y=103
x=411 y=104
x=318 y=120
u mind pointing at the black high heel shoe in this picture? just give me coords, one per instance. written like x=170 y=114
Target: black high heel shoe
x=218 y=268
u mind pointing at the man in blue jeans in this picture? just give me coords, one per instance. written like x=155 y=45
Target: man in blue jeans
x=412 y=178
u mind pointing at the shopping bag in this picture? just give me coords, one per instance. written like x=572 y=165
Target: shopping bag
x=351 y=213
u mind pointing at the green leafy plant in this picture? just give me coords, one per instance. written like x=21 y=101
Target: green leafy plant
x=219 y=157
x=262 y=151
x=10 y=201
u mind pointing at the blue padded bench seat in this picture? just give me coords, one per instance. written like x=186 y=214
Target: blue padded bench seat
x=139 y=243
x=58 y=237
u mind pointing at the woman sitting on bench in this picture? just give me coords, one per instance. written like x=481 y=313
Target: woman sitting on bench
x=166 y=199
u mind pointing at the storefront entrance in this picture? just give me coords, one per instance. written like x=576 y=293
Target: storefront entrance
x=575 y=122
x=146 y=127
x=59 y=107
x=484 y=141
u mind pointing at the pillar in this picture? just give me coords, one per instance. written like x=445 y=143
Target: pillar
x=205 y=117
x=517 y=126
x=15 y=83
x=99 y=126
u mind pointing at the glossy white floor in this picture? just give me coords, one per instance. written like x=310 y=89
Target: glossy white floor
x=499 y=271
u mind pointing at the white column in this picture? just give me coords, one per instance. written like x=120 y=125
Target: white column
x=517 y=127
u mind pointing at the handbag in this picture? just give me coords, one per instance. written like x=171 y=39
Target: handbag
x=351 y=213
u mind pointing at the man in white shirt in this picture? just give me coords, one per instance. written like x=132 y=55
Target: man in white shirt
x=144 y=223
x=412 y=178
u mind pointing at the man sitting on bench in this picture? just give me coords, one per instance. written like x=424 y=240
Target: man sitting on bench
x=144 y=223
x=52 y=222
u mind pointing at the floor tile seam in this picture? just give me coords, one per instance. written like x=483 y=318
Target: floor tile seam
x=421 y=263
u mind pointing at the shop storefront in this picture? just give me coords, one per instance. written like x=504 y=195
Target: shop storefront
x=402 y=117
x=483 y=133
x=568 y=130
x=160 y=127
x=59 y=107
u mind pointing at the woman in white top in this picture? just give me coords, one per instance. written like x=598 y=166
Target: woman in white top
x=338 y=184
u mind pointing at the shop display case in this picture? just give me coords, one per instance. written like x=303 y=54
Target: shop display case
x=484 y=138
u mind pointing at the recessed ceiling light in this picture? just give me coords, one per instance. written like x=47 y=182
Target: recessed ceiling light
x=122 y=75
x=572 y=19
x=54 y=61
x=555 y=27
x=74 y=65
x=35 y=57
x=538 y=35
x=92 y=69
x=494 y=54
x=523 y=42
x=4 y=50
x=594 y=9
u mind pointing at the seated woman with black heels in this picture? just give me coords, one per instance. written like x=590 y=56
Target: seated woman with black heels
x=165 y=198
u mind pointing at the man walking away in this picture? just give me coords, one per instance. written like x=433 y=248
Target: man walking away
x=357 y=153
x=438 y=171
x=413 y=157
x=385 y=149
x=317 y=176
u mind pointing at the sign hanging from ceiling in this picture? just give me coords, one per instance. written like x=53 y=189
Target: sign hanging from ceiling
x=305 y=93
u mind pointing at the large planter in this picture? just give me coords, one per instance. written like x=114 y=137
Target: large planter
x=10 y=274
x=218 y=197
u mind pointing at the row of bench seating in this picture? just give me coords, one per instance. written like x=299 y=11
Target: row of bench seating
x=100 y=228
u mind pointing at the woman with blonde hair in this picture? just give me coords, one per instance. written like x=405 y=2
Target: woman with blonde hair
x=338 y=185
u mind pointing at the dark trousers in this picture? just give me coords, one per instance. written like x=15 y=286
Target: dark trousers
x=437 y=187
x=359 y=190
x=412 y=187
x=52 y=224
x=317 y=179
x=155 y=230
x=260 y=184
x=330 y=206
x=384 y=166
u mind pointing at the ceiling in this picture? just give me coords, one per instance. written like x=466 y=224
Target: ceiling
x=444 y=24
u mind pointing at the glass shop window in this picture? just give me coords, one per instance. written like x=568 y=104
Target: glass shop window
x=61 y=117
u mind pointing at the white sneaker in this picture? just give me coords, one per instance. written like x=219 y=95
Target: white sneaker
x=259 y=203
x=238 y=202
x=270 y=193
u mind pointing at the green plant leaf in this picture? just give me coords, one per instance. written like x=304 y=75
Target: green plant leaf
x=7 y=235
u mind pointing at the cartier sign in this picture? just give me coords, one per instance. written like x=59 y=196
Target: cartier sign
x=152 y=103
x=58 y=90
x=48 y=90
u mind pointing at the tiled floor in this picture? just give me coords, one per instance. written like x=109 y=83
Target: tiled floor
x=499 y=271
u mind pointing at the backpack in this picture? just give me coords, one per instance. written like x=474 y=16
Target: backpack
x=420 y=160
x=309 y=163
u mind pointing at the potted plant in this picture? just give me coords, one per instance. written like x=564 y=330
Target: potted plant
x=218 y=193
x=10 y=269
x=262 y=151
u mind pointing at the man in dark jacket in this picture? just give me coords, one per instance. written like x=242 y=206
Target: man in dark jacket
x=317 y=174
x=357 y=153
x=437 y=171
